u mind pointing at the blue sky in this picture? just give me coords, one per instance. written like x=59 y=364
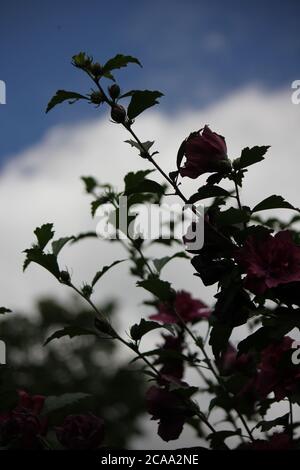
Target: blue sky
x=194 y=51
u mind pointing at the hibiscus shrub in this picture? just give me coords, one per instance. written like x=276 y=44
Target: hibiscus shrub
x=253 y=262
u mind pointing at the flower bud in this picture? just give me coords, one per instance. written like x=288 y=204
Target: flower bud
x=65 y=277
x=96 y=69
x=87 y=291
x=96 y=97
x=118 y=113
x=114 y=91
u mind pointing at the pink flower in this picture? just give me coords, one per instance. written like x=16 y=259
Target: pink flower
x=269 y=261
x=187 y=308
x=22 y=427
x=81 y=432
x=172 y=367
x=276 y=371
x=230 y=362
x=205 y=152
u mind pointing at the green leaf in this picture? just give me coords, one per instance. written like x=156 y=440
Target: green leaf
x=159 y=288
x=267 y=425
x=159 y=263
x=47 y=261
x=71 y=331
x=219 y=338
x=250 y=156
x=208 y=191
x=44 y=234
x=90 y=183
x=61 y=96
x=141 y=148
x=99 y=274
x=120 y=61
x=142 y=100
x=139 y=330
x=54 y=403
x=274 y=202
x=232 y=216
x=58 y=245
x=4 y=310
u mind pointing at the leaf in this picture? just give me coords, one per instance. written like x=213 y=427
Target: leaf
x=274 y=202
x=159 y=288
x=134 y=179
x=249 y=156
x=180 y=154
x=83 y=235
x=90 y=183
x=219 y=338
x=232 y=216
x=58 y=245
x=104 y=199
x=44 y=234
x=137 y=331
x=99 y=274
x=4 y=310
x=147 y=186
x=267 y=425
x=159 y=263
x=54 y=403
x=142 y=100
x=120 y=61
x=208 y=191
x=47 y=261
x=71 y=331
x=61 y=96
x=217 y=438
x=141 y=148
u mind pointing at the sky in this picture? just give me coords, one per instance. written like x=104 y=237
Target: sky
x=195 y=51
x=227 y=64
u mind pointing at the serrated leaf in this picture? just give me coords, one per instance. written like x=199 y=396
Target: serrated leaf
x=120 y=61
x=57 y=245
x=159 y=263
x=274 y=202
x=46 y=260
x=142 y=100
x=159 y=288
x=54 y=403
x=249 y=156
x=71 y=332
x=4 y=310
x=99 y=274
x=139 y=330
x=63 y=95
x=208 y=191
x=44 y=234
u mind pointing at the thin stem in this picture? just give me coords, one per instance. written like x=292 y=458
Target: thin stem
x=237 y=192
x=291 y=419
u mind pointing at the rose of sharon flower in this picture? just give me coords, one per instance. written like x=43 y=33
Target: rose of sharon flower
x=205 y=152
x=276 y=371
x=230 y=362
x=82 y=432
x=169 y=409
x=269 y=261
x=189 y=309
x=21 y=427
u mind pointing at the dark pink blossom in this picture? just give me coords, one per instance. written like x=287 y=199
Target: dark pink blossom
x=269 y=261
x=276 y=372
x=187 y=308
x=82 y=432
x=205 y=152
x=172 y=366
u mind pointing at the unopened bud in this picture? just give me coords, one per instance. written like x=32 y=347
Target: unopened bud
x=96 y=69
x=97 y=97
x=114 y=91
x=118 y=113
x=87 y=291
x=65 y=277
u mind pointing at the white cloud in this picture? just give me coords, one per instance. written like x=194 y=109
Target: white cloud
x=42 y=184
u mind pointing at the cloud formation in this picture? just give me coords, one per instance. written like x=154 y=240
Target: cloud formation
x=42 y=184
